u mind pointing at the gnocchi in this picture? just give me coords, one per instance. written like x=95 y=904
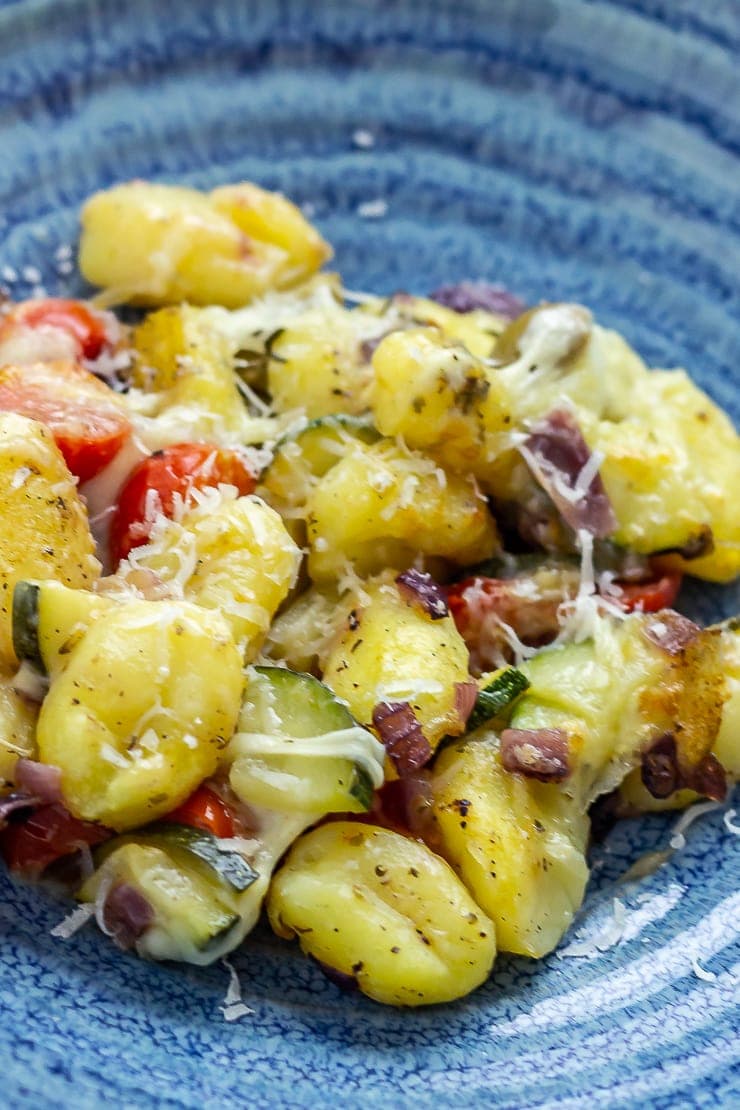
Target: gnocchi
x=374 y=600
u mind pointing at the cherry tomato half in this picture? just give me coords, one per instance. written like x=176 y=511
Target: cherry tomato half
x=48 y=834
x=204 y=809
x=86 y=327
x=650 y=596
x=84 y=416
x=172 y=473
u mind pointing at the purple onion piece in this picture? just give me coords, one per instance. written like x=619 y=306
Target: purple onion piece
x=557 y=453
x=466 y=296
x=126 y=915
x=671 y=631
x=420 y=588
x=659 y=768
x=466 y=694
x=368 y=347
x=41 y=779
x=538 y=753
x=401 y=736
x=16 y=802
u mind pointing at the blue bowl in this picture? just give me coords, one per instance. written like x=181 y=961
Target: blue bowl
x=568 y=149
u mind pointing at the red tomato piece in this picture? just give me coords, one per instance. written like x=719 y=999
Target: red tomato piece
x=85 y=417
x=172 y=474
x=50 y=832
x=204 y=809
x=649 y=596
x=87 y=327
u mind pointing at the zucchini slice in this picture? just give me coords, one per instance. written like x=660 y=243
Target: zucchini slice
x=197 y=846
x=498 y=695
x=302 y=457
x=192 y=911
x=298 y=748
x=26 y=624
x=48 y=619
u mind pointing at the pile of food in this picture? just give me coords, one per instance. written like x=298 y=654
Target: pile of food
x=358 y=609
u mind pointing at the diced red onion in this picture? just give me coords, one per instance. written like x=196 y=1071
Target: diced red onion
x=126 y=914
x=538 y=753
x=16 y=802
x=41 y=779
x=466 y=296
x=420 y=588
x=659 y=768
x=671 y=631
x=369 y=346
x=401 y=735
x=557 y=453
x=466 y=694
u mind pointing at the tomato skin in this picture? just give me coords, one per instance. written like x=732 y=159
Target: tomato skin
x=50 y=832
x=649 y=596
x=204 y=809
x=86 y=327
x=84 y=416
x=172 y=472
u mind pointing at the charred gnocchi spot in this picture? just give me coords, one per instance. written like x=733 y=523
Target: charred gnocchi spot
x=659 y=769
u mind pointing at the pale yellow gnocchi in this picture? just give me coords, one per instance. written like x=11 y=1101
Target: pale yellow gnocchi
x=385 y=911
x=382 y=505
x=162 y=244
x=148 y=699
x=228 y=554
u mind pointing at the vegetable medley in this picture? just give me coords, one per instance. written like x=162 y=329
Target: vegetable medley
x=357 y=609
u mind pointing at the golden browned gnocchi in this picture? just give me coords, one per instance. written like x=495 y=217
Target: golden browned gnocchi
x=49 y=535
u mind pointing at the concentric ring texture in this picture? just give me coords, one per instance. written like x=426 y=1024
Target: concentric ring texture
x=568 y=149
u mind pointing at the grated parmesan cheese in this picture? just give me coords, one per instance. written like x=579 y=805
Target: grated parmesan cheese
x=73 y=922
x=687 y=818
x=363 y=138
x=233 y=1008
x=372 y=209
x=701 y=972
x=609 y=936
x=730 y=824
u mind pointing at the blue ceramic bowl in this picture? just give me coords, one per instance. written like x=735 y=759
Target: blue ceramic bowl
x=569 y=149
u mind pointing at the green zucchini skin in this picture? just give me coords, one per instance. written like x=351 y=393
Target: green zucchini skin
x=228 y=867
x=362 y=788
x=318 y=461
x=231 y=867
x=25 y=624
x=501 y=693
x=303 y=704
x=293 y=706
